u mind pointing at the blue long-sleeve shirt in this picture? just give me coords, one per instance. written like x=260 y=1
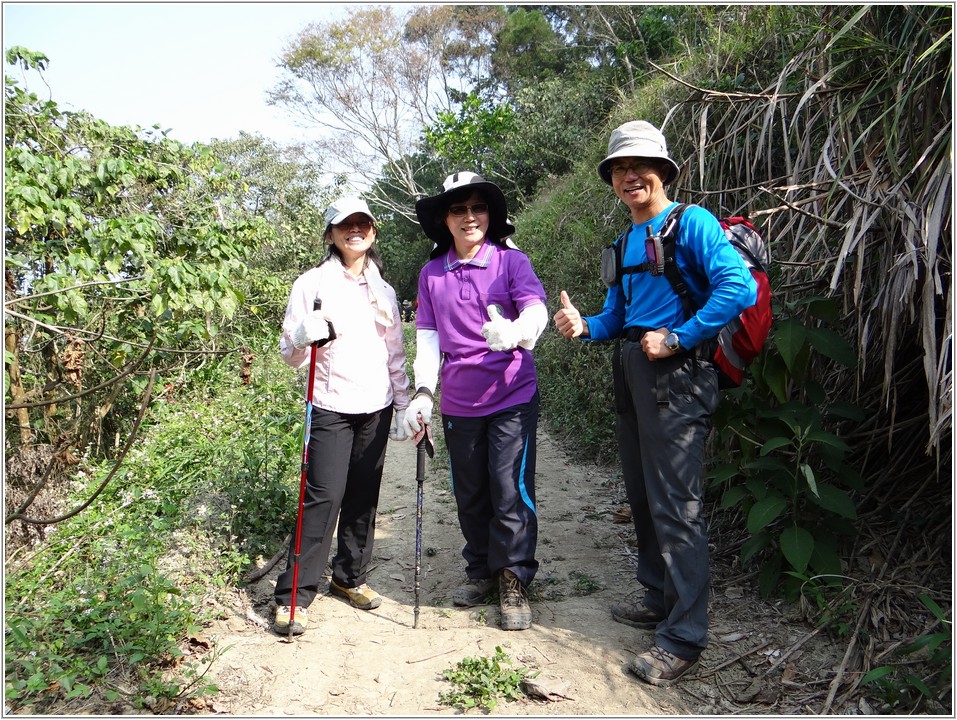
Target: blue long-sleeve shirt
x=718 y=280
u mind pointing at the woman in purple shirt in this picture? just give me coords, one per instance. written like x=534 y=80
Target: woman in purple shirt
x=481 y=310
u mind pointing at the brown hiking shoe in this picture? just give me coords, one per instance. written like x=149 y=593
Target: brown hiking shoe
x=659 y=667
x=636 y=615
x=513 y=602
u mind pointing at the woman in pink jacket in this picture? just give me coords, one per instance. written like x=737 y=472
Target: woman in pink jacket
x=360 y=380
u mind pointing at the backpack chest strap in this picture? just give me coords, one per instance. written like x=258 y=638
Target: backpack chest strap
x=668 y=264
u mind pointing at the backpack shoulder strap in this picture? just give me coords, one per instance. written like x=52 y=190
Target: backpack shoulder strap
x=669 y=244
x=619 y=260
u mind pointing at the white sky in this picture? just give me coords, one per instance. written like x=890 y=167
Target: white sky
x=200 y=69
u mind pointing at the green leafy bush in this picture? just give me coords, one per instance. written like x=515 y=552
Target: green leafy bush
x=481 y=682
x=779 y=459
x=116 y=590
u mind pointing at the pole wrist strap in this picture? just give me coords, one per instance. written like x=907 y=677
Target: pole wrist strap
x=423 y=391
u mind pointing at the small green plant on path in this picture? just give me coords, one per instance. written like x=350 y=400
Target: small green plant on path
x=585 y=584
x=481 y=682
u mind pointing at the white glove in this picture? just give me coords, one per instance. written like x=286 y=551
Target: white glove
x=421 y=405
x=399 y=429
x=501 y=334
x=313 y=328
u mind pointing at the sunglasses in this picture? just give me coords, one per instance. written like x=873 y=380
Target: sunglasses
x=363 y=225
x=462 y=210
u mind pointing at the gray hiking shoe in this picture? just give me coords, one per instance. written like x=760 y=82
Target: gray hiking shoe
x=513 y=602
x=473 y=592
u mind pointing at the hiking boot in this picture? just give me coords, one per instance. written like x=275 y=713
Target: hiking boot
x=659 y=667
x=513 y=602
x=473 y=592
x=281 y=623
x=636 y=615
x=362 y=597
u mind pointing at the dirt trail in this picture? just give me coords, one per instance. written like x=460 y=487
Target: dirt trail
x=352 y=662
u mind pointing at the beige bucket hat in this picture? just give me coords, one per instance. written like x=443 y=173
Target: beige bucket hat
x=640 y=139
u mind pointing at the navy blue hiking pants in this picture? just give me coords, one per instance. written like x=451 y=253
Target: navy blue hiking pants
x=346 y=458
x=492 y=465
x=664 y=412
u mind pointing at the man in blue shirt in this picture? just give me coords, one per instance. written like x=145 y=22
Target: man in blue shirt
x=665 y=393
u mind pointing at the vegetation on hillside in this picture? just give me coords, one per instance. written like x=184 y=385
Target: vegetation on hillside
x=150 y=428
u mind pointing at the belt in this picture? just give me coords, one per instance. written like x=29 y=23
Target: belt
x=634 y=334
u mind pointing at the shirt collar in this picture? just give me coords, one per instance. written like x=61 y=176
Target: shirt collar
x=482 y=258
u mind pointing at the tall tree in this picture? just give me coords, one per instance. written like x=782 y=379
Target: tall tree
x=375 y=80
x=617 y=40
x=527 y=51
x=119 y=251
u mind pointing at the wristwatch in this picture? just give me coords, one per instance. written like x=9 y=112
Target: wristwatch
x=672 y=342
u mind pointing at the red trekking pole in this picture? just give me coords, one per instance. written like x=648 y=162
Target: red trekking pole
x=297 y=545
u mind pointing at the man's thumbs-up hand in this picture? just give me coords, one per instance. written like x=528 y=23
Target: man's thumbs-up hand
x=501 y=334
x=568 y=320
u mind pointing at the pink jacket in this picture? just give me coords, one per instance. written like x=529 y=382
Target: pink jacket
x=363 y=369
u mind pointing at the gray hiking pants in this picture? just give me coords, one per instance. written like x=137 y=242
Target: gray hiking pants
x=663 y=415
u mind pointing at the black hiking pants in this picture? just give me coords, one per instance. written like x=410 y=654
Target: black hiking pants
x=346 y=458
x=492 y=464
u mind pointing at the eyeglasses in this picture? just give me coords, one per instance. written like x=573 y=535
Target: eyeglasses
x=363 y=225
x=462 y=210
x=640 y=167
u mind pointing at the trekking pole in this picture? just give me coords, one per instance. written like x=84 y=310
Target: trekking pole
x=424 y=446
x=307 y=431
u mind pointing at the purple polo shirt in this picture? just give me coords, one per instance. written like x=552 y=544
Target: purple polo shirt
x=453 y=300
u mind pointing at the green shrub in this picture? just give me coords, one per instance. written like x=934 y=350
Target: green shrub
x=778 y=457
x=115 y=590
x=481 y=682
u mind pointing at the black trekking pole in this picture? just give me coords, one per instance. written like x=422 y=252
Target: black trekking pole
x=424 y=446
x=307 y=431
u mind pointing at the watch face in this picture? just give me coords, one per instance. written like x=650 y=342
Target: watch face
x=671 y=341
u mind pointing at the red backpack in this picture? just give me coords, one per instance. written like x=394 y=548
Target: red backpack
x=741 y=340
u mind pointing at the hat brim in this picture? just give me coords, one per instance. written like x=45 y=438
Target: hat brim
x=604 y=167
x=432 y=211
x=343 y=215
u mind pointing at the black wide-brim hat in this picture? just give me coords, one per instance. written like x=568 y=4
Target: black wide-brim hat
x=432 y=211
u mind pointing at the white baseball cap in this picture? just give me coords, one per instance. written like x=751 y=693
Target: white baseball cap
x=343 y=208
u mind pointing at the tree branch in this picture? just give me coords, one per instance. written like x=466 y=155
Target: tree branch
x=144 y=404
x=117 y=378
